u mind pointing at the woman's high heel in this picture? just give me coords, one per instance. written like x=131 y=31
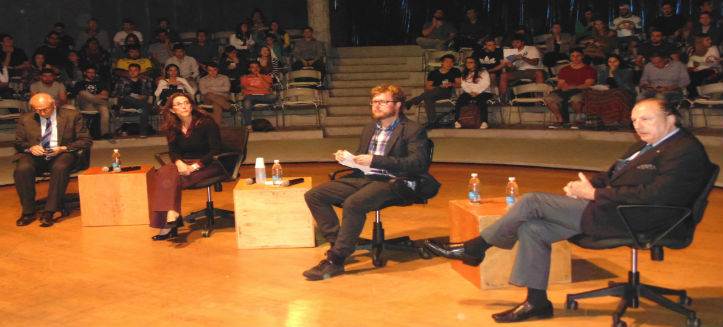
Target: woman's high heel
x=171 y=233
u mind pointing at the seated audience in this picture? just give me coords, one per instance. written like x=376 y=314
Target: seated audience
x=656 y=44
x=193 y=139
x=706 y=26
x=160 y=51
x=55 y=54
x=187 y=64
x=232 y=66
x=47 y=139
x=437 y=33
x=519 y=31
x=66 y=41
x=472 y=32
x=269 y=64
x=256 y=88
x=600 y=43
x=92 y=30
x=72 y=72
x=165 y=25
x=668 y=22
x=32 y=73
x=585 y=24
x=557 y=46
x=48 y=85
x=614 y=95
x=475 y=86
x=392 y=145
x=490 y=59
x=133 y=56
x=440 y=84
x=308 y=52
x=275 y=50
x=704 y=63
x=523 y=61
x=92 y=94
x=11 y=57
x=119 y=39
x=170 y=84
x=258 y=28
x=242 y=40
x=572 y=80
x=214 y=89
x=627 y=27
x=131 y=41
x=679 y=168
x=282 y=38
x=203 y=50
x=136 y=91
x=92 y=54
x=663 y=79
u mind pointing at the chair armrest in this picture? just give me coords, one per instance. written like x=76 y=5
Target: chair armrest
x=159 y=157
x=401 y=188
x=222 y=156
x=667 y=218
x=347 y=171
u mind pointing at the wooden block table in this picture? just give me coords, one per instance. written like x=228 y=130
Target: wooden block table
x=108 y=198
x=468 y=220
x=270 y=216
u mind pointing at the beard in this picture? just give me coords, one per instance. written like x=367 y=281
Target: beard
x=383 y=115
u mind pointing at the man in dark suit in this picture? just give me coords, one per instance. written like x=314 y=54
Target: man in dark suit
x=668 y=167
x=390 y=146
x=46 y=139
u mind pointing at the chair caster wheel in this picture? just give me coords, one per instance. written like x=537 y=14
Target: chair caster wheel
x=379 y=262
x=620 y=323
x=571 y=305
x=206 y=233
x=424 y=253
x=685 y=300
x=692 y=322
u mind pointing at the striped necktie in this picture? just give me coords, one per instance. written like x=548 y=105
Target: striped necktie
x=45 y=141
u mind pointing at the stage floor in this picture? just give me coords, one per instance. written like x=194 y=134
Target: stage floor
x=98 y=276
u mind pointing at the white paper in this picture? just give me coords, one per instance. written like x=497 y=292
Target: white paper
x=349 y=162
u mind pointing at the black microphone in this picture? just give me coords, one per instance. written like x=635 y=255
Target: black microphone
x=292 y=182
x=251 y=180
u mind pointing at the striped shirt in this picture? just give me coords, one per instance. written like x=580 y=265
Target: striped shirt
x=378 y=144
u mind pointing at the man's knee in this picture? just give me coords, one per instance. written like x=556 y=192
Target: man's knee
x=530 y=230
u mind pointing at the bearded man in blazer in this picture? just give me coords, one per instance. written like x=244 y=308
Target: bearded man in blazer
x=669 y=166
x=46 y=139
x=392 y=146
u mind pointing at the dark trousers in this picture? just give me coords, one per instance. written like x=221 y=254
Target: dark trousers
x=145 y=110
x=429 y=97
x=317 y=65
x=167 y=187
x=565 y=104
x=30 y=166
x=696 y=79
x=481 y=100
x=358 y=196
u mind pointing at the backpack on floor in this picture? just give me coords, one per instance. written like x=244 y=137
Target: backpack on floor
x=469 y=116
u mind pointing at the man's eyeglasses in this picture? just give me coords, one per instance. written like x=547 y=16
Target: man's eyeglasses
x=381 y=102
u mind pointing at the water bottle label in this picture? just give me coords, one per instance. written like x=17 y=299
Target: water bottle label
x=510 y=200
x=276 y=179
x=115 y=164
x=474 y=197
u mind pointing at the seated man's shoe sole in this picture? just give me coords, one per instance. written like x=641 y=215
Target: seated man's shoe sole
x=524 y=311
x=453 y=251
x=25 y=220
x=324 y=270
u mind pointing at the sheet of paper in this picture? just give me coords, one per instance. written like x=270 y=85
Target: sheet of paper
x=349 y=162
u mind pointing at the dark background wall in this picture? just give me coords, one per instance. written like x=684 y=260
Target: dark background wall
x=29 y=20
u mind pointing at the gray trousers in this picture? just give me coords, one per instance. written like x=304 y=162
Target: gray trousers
x=429 y=98
x=535 y=222
x=87 y=101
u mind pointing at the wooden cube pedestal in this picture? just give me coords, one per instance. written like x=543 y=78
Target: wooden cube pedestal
x=467 y=220
x=270 y=216
x=108 y=198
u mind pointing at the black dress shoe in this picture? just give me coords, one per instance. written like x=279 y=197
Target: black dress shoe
x=25 y=220
x=524 y=311
x=46 y=219
x=453 y=251
x=162 y=237
x=324 y=270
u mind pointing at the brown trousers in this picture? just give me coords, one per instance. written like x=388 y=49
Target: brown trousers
x=167 y=189
x=219 y=103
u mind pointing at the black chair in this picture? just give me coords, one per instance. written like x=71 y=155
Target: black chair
x=234 y=154
x=675 y=231
x=71 y=201
x=405 y=197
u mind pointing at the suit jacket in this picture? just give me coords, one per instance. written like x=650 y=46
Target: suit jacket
x=671 y=173
x=406 y=153
x=72 y=133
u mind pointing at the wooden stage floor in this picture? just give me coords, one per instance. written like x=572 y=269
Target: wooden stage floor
x=99 y=276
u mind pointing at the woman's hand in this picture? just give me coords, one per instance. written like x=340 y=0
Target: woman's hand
x=183 y=168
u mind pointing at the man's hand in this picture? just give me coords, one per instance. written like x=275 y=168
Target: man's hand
x=339 y=155
x=364 y=159
x=37 y=150
x=56 y=151
x=580 y=189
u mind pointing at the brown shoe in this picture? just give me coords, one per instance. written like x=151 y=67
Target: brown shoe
x=25 y=220
x=46 y=219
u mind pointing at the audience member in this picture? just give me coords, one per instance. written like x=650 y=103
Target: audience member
x=203 y=49
x=490 y=59
x=472 y=32
x=47 y=139
x=282 y=38
x=72 y=72
x=165 y=25
x=475 y=86
x=600 y=43
x=440 y=84
x=668 y=22
x=55 y=54
x=133 y=56
x=256 y=89
x=614 y=95
x=119 y=38
x=518 y=31
x=193 y=139
x=557 y=46
x=160 y=51
x=437 y=33
x=130 y=41
x=628 y=28
x=523 y=61
x=214 y=89
x=706 y=6
x=656 y=44
x=242 y=40
x=32 y=73
x=187 y=64
x=92 y=54
x=706 y=26
x=65 y=40
x=136 y=91
x=92 y=94
x=704 y=63
x=308 y=52
x=233 y=67
x=275 y=49
x=392 y=145
x=269 y=64
x=572 y=80
x=92 y=30
x=5 y=91
x=48 y=85
x=14 y=59
x=258 y=26
x=172 y=83
x=584 y=26
x=664 y=78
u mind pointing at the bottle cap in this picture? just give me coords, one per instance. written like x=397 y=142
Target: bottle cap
x=511 y=179
x=276 y=161
x=474 y=174
x=259 y=162
x=115 y=150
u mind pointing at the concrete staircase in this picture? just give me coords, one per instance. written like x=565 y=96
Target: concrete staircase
x=356 y=70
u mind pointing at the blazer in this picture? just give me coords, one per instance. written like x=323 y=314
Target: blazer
x=72 y=133
x=671 y=173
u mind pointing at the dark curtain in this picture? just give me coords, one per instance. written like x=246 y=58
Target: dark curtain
x=389 y=22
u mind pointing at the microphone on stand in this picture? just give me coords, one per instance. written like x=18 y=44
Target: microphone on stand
x=250 y=181
x=292 y=182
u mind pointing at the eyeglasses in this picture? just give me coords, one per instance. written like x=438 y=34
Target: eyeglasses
x=381 y=102
x=179 y=104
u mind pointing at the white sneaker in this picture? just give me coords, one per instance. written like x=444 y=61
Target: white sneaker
x=484 y=125
x=457 y=125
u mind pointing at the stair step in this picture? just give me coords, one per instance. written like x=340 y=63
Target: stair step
x=378 y=51
x=333 y=131
x=348 y=110
x=360 y=101
x=400 y=61
x=351 y=120
x=372 y=83
x=341 y=68
x=374 y=76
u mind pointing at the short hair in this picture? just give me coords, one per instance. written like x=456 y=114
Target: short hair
x=179 y=46
x=47 y=71
x=578 y=50
x=212 y=64
x=163 y=19
x=130 y=47
x=59 y=24
x=658 y=54
x=200 y=30
x=254 y=62
x=127 y=20
x=490 y=40
x=3 y=36
x=134 y=65
x=53 y=33
x=86 y=67
x=308 y=28
x=396 y=91
x=520 y=38
x=704 y=13
x=229 y=48
x=447 y=56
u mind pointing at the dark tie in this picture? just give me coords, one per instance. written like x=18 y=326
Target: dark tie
x=45 y=141
x=622 y=162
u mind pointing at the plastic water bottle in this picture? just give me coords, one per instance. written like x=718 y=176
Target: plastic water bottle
x=473 y=189
x=116 y=160
x=511 y=192
x=277 y=175
x=260 y=171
